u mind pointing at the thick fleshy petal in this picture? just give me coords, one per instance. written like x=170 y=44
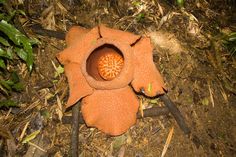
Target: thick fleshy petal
x=75 y=34
x=79 y=87
x=118 y=35
x=146 y=75
x=78 y=48
x=111 y=111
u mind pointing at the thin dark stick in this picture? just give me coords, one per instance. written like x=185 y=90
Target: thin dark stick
x=151 y=112
x=68 y=120
x=176 y=114
x=180 y=120
x=38 y=29
x=75 y=130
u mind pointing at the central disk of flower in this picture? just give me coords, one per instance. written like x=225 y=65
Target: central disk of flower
x=110 y=65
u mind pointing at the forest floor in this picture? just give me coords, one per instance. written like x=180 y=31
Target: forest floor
x=199 y=72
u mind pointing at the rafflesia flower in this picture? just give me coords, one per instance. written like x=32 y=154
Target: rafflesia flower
x=101 y=65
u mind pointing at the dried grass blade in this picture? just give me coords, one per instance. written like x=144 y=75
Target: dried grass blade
x=169 y=137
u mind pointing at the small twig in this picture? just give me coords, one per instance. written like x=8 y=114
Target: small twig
x=36 y=146
x=169 y=137
x=23 y=131
x=141 y=106
x=75 y=130
x=8 y=113
x=211 y=94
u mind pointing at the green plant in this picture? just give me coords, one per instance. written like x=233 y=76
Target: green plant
x=15 y=47
x=22 y=44
x=140 y=17
x=229 y=42
x=180 y=3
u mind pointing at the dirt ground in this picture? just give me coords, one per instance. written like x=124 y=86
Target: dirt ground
x=199 y=73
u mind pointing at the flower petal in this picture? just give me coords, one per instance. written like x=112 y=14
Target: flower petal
x=114 y=34
x=78 y=85
x=75 y=34
x=78 y=47
x=146 y=75
x=111 y=111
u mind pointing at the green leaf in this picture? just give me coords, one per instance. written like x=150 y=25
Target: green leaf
x=154 y=101
x=14 y=77
x=6 y=54
x=9 y=53
x=10 y=15
x=34 y=41
x=59 y=70
x=7 y=84
x=54 y=81
x=12 y=84
x=22 y=12
x=205 y=101
x=232 y=37
x=3 y=53
x=21 y=53
x=8 y=103
x=20 y=40
x=180 y=3
x=6 y=17
x=229 y=42
x=31 y=136
x=2 y=1
x=4 y=41
x=136 y=3
x=18 y=87
x=2 y=64
x=140 y=17
x=29 y=60
x=10 y=31
x=45 y=113
x=2 y=16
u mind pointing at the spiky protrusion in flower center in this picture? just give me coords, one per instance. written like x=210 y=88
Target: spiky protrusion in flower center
x=110 y=65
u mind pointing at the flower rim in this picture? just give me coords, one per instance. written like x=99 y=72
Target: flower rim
x=126 y=74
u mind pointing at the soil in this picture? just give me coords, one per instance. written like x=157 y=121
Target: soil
x=200 y=76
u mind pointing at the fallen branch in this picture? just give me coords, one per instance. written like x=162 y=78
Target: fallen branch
x=151 y=112
x=38 y=29
x=180 y=119
x=176 y=113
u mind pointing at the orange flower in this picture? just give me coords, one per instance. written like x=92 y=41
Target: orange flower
x=100 y=64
